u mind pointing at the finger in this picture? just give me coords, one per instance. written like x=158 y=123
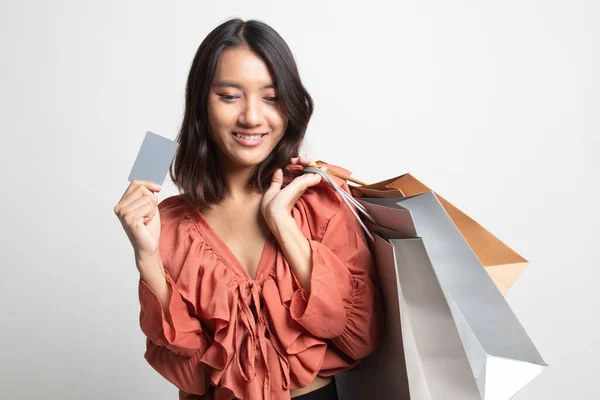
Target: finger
x=146 y=198
x=142 y=216
x=140 y=210
x=304 y=161
x=308 y=162
x=277 y=179
x=299 y=185
x=137 y=193
x=275 y=186
x=140 y=193
x=311 y=179
x=155 y=187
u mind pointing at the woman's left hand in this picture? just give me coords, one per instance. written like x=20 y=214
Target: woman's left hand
x=278 y=203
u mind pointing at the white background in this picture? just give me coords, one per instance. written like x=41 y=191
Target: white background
x=493 y=104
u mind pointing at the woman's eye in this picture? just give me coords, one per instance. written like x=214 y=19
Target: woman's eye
x=227 y=97
x=273 y=99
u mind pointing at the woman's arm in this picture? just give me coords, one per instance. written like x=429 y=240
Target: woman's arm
x=175 y=341
x=338 y=299
x=277 y=207
x=152 y=272
x=295 y=247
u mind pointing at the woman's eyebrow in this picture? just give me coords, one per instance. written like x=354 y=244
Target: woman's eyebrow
x=237 y=85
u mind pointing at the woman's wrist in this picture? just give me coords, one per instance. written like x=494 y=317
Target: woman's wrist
x=143 y=259
x=152 y=272
x=279 y=223
x=295 y=246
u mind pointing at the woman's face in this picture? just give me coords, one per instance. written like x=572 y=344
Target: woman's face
x=245 y=117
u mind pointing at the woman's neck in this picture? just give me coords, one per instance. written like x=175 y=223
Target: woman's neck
x=235 y=181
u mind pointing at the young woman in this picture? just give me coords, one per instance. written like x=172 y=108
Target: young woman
x=254 y=283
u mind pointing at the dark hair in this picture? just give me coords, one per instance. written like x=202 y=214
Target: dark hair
x=195 y=170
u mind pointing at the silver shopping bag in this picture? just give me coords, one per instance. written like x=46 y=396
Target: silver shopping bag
x=448 y=332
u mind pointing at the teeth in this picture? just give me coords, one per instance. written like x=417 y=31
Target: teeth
x=253 y=137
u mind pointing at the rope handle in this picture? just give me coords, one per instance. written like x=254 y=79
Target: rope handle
x=348 y=199
x=340 y=174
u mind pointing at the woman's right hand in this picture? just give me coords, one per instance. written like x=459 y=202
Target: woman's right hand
x=138 y=212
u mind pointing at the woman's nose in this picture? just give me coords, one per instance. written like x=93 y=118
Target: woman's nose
x=252 y=113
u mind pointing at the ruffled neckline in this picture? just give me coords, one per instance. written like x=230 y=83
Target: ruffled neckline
x=222 y=250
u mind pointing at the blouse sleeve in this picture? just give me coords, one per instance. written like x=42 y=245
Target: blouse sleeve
x=175 y=345
x=344 y=303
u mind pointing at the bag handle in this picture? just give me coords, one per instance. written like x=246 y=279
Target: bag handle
x=348 y=199
x=341 y=174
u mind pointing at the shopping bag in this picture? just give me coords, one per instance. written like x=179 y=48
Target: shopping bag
x=396 y=370
x=448 y=331
x=501 y=262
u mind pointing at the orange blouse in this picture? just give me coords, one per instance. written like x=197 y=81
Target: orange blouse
x=234 y=337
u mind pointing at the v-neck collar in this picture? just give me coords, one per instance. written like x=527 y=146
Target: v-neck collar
x=267 y=257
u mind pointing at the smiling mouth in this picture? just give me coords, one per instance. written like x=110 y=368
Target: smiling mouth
x=253 y=140
x=249 y=137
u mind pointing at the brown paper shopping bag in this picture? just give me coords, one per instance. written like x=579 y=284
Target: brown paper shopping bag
x=501 y=262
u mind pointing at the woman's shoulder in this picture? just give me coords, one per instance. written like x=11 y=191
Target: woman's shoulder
x=176 y=223
x=173 y=204
x=174 y=210
x=181 y=240
x=319 y=203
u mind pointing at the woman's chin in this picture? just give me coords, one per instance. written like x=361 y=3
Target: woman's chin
x=245 y=157
x=247 y=162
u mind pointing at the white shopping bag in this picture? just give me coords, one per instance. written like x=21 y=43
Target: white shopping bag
x=448 y=331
